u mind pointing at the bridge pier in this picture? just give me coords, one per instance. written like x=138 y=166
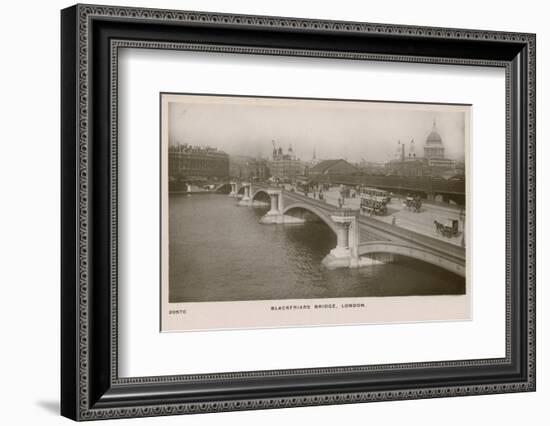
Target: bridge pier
x=246 y=200
x=275 y=214
x=345 y=252
x=234 y=189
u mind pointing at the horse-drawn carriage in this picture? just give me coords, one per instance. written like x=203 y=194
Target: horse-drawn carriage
x=413 y=203
x=371 y=204
x=448 y=229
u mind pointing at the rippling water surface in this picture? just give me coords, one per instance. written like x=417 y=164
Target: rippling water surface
x=219 y=252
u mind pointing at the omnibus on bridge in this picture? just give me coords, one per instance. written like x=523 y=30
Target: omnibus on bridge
x=372 y=204
x=375 y=192
x=373 y=201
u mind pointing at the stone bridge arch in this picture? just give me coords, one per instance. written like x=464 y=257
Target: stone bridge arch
x=259 y=191
x=342 y=223
x=447 y=262
x=225 y=188
x=317 y=212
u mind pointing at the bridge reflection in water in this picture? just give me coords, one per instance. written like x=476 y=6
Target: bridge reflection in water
x=221 y=252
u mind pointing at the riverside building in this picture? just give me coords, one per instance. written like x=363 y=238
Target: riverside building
x=188 y=162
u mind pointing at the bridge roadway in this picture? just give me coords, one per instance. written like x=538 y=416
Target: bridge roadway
x=361 y=240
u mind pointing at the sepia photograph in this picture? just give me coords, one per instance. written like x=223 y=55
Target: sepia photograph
x=281 y=212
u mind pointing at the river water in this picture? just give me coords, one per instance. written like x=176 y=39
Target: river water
x=219 y=251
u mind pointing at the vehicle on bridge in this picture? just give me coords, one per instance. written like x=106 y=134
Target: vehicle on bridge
x=376 y=193
x=448 y=229
x=373 y=204
x=303 y=186
x=413 y=203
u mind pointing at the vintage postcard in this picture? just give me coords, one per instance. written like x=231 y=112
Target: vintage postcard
x=280 y=212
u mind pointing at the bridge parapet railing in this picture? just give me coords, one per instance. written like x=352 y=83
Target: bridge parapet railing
x=313 y=201
x=414 y=237
x=345 y=212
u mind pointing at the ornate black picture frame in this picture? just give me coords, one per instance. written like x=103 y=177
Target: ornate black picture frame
x=91 y=387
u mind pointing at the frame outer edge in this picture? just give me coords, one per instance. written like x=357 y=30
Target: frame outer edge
x=531 y=213
x=81 y=338
x=69 y=191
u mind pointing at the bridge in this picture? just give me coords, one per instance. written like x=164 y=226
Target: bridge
x=360 y=240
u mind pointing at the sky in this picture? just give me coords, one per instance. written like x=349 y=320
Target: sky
x=351 y=130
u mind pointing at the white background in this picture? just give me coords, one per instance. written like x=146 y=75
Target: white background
x=29 y=222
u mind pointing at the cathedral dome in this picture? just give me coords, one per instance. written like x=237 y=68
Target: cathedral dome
x=434 y=138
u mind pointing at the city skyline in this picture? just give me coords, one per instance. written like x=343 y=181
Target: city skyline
x=352 y=130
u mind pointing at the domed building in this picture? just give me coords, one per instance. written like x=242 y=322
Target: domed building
x=433 y=163
x=434 y=153
x=434 y=149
